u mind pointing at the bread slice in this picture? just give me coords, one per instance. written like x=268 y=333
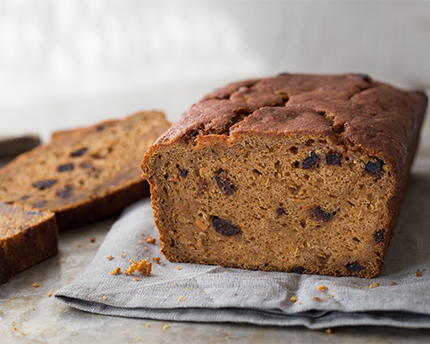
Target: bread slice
x=27 y=236
x=87 y=174
x=300 y=173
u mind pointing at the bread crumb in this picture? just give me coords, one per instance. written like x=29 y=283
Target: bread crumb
x=137 y=279
x=298 y=302
x=150 y=240
x=138 y=338
x=418 y=273
x=174 y=283
x=393 y=283
x=189 y=289
x=143 y=267
x=36 y=285
x=93 y=239
x=165 y=327
x=32 y=309
x=325 y=300
x=322 y=288
x=147 y=325
x=180 y=299
x=229 y=332
x=332 y=283
x=122 y=254
x=104 y=297
x=316 y=298
x=225 y=272
x=109 y=257
x=376 y=284
x=49 y=294
x=116 y=271
x=78 y=245
x=156 y=259
x=293 y=298
x=328 y=331
x=57 y=263
x=178 y=267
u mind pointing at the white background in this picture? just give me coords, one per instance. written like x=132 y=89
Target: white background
x=70 y=63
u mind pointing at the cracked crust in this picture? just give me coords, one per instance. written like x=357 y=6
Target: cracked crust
x=350 y=109
x=281 y=172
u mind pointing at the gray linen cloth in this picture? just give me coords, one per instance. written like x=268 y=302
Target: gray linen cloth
x=188 y=292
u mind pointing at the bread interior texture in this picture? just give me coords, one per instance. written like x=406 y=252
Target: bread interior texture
x=299 y=203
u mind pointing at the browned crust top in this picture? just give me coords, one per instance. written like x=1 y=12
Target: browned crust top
x=351 y=110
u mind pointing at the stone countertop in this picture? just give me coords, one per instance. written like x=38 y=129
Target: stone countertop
x=28 y=314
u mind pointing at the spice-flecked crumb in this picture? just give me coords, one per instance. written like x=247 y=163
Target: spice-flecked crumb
x=143 y=267
x=36 y=285
x=150 y=240
x=317 y=298
x=322 y=288
x=156 y=259
x=418 y=273
x=116 y=271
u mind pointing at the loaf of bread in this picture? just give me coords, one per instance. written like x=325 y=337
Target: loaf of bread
x=87 y=174
x=27 y=236
x=299 y=173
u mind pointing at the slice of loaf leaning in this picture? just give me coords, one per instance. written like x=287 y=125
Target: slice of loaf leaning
x=300 y=173
x=87 y=174
x=27 y=236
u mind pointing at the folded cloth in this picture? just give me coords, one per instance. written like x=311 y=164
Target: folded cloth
x=398 y=296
